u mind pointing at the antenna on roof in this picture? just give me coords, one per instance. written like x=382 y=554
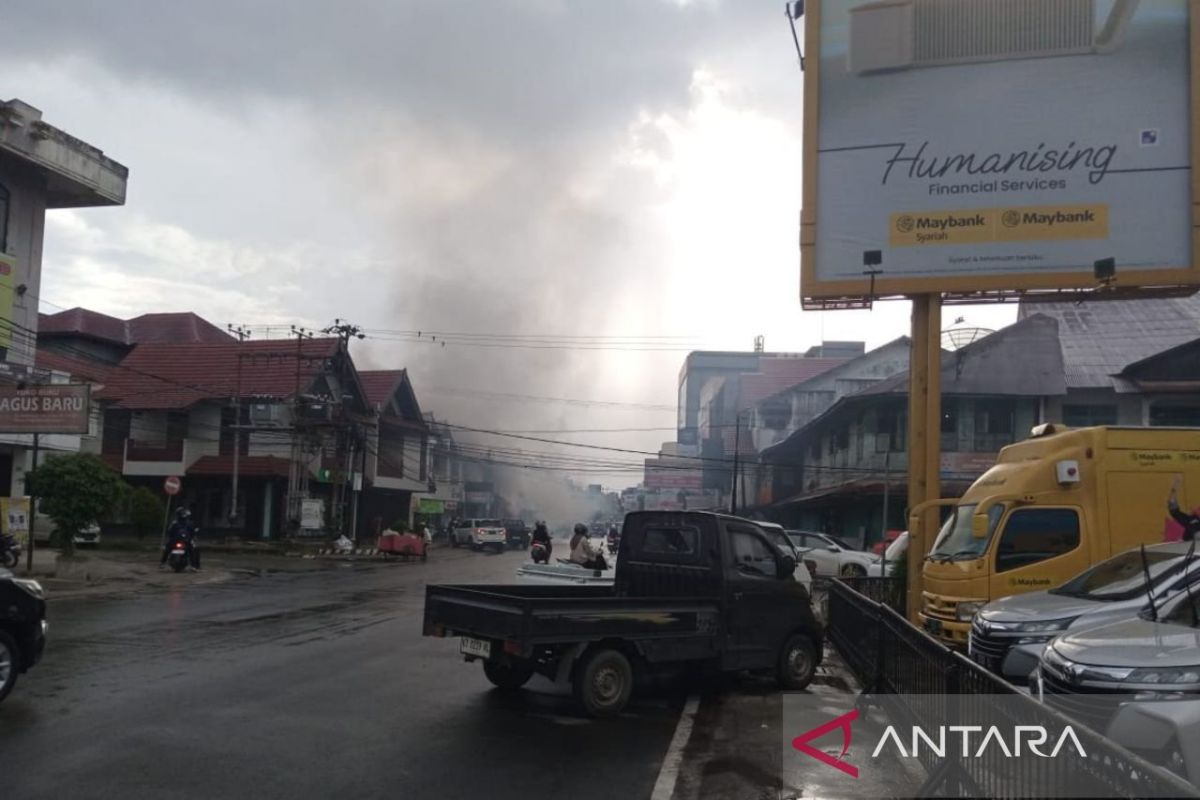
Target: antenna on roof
x=240 y=331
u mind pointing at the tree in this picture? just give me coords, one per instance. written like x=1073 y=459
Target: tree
x=76 y=490
x=145 y=512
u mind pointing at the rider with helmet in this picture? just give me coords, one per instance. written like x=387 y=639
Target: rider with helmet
x=582 y=552
x=182 y=529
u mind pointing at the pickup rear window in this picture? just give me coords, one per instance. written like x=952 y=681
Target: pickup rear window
x=671 y=541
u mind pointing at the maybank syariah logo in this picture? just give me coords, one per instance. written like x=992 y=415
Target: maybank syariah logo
x=1031 y=223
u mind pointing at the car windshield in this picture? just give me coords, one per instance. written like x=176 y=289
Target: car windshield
x=956 y=542
x=1122 y=577
x=490 y=523
x=897 y=548
x=839 y=542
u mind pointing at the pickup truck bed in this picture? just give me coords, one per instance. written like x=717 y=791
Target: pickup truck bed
x=530 y=615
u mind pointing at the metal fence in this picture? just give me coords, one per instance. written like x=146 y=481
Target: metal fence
x=919 y=681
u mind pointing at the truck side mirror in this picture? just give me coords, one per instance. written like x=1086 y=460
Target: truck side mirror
x=785 y=565
x=979 y=526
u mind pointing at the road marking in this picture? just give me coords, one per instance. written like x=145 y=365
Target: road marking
x=668 y=774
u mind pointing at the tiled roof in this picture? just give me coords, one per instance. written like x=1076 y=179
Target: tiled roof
x=175 y=327
x=379 y=384
x=1099 y=339
x=180 y=375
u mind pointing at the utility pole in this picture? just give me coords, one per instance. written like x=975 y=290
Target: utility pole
x=242 y=335
x=887 y=486
x=344 y=330
x=737 y=447
x=294 y=467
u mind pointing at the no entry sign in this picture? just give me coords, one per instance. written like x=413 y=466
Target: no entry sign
x=171 y=485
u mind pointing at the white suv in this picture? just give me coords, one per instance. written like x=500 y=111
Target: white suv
x=478 y=534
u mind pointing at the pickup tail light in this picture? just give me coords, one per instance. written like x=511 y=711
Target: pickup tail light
x=512 y=648
x=480 y=531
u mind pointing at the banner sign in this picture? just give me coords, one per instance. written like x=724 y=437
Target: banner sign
x=971 y=145
x=45 y=408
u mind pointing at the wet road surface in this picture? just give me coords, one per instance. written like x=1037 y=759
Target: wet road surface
x=298 y=685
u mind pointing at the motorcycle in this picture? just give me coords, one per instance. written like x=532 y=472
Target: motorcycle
x=10 y=550
x=614 y=543
x=539 y=553
x=179 y=558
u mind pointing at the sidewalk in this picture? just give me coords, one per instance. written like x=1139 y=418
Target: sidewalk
x=96 y=573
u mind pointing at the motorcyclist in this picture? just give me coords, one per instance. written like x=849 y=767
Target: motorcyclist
x=182 y=529
x=1190 y=522
x=541 y=535
x=582 y=552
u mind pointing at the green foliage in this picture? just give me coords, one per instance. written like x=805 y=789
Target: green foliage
x=145 y=512
x=400 y=526
x=76 y=490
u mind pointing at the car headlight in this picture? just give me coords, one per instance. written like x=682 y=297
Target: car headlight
x=1045 y=626
x=30 y=587
x=965 y=612
x=1175 y=676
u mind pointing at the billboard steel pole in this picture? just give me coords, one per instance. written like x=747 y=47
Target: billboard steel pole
x=924 y=440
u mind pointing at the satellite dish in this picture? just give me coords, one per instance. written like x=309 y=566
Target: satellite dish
x=956 y=338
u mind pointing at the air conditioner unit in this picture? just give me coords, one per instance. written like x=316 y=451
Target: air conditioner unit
x=902 y=34
x=266 y=414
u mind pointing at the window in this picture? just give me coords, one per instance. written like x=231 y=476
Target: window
x=1085 y=416
x=993 y=424
x=4 y=204
x=751 y=553
x=671 y=541
x=949 y=416
x=1175 y=416
x=890 y=430
x=1032 y=535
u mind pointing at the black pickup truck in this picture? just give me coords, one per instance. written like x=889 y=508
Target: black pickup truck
x=22 y=628
x=692 y=588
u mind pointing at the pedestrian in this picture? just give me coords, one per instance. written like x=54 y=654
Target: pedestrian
x=1189 y=521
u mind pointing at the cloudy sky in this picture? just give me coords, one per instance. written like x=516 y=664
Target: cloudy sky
x=626 y=168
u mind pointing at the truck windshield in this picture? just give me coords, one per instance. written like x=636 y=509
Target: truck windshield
x=956 y=543
x=1122 y=577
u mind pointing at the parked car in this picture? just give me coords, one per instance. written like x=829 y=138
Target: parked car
x=896 y=551
x=516 y=534
x=779 y=538
x=692 y=588
x=831 y=555
x=1136 y=681
x=89 y=535
x=1009 y=635
x=22 y=628
x=478 y=534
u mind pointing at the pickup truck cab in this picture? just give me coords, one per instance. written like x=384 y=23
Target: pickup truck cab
x=691 y=588
x=22 y=628
x=478 y=534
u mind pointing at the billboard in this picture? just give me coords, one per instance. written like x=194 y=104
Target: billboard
x=44 y=408
x=996 y=145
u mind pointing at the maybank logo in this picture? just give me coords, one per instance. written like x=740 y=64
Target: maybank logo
x=1035 y=223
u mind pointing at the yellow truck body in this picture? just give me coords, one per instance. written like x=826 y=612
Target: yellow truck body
x=1051 y=506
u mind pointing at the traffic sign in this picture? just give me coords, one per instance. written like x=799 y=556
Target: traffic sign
x=171 y=485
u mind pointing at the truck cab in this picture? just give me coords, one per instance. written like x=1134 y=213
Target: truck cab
x=1050 y=507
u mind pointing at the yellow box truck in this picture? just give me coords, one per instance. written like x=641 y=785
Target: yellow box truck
x=1051 y=506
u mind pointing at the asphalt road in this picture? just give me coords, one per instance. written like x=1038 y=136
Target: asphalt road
x=294 y=685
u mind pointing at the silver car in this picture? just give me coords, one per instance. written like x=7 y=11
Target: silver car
x=1008 y=635
x=1137 y=682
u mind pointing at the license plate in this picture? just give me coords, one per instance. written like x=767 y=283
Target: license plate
x=476 y=647
x=933 y=625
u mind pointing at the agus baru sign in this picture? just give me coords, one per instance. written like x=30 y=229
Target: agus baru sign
x=48 y=408
x=981 y=145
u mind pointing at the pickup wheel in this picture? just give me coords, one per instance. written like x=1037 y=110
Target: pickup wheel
x=10 y=664
x=797 y=662
x=509 y=677
x=604 y=683
x=853 y=571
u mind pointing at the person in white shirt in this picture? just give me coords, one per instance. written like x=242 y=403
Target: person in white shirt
x=582 y=552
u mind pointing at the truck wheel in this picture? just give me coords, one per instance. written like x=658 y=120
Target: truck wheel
x=797 y=662
x=509 y=677
x=603 y=683
x=10 y=664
